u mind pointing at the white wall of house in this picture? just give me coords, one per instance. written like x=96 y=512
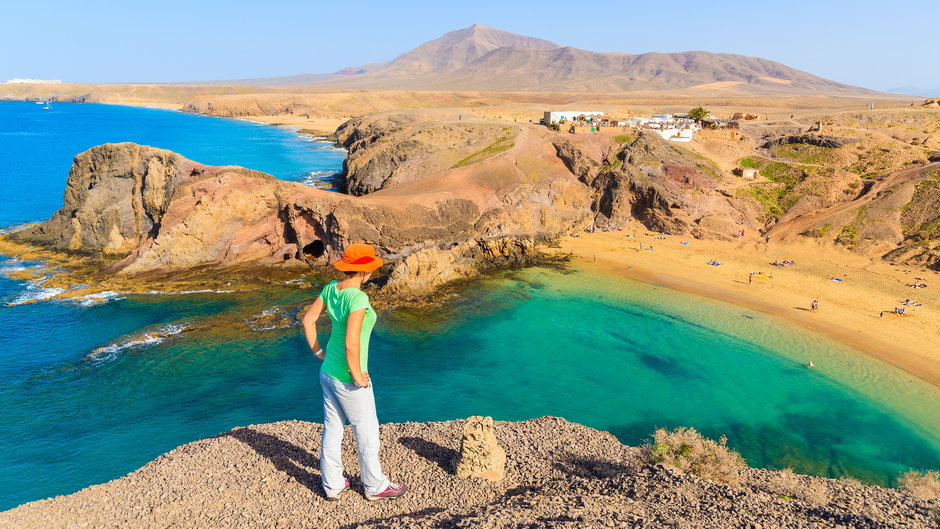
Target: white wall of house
x=674 y=134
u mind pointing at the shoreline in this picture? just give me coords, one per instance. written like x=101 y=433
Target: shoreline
x=305 y=127
x=908 y=343
x=300 y=126
x=845 y=326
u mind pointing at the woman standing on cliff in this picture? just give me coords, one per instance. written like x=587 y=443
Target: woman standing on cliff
x=344 y=376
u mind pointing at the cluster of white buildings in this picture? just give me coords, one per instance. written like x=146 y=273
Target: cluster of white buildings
x=563 y=116
x=668 y=126
x=33 y=81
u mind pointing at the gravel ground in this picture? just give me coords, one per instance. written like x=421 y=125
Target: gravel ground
x=558 y=474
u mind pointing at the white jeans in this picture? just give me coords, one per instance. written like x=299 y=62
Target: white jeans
x=349 y=403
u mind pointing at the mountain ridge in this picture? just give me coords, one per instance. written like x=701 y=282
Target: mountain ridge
x=488 y=59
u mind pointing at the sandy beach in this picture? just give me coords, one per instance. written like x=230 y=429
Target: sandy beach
x=850 y=310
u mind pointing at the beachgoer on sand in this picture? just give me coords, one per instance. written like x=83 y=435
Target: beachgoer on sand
x=344 y=376
x=814 y=306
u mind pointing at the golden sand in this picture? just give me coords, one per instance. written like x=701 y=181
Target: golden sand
x=858 y=311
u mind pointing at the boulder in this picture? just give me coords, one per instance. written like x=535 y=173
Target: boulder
x=480 y=455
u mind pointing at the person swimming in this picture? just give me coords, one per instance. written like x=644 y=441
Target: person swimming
x=810 y=364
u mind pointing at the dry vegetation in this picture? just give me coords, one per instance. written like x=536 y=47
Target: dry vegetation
x=921 y=485
x=792 y=486
x=690 y=452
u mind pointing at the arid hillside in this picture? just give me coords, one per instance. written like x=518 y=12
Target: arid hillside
x=484 y=58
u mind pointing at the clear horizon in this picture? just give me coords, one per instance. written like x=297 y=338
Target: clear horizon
x=859 y=43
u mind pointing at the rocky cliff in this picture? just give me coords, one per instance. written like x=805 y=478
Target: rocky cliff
x=557 y=475
x=148 y=210
x=390 y=149
x=664 y=187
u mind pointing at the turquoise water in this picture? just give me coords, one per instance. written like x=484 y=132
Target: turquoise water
x=607 y=352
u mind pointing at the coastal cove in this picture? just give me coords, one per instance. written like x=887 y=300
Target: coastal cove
x=92 y=392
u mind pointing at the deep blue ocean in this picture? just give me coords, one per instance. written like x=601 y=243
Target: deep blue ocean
x=92 y=391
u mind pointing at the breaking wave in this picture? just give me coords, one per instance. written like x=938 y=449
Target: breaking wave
x=184 y=292
x=99 y=297
x=34 y=293
x=12 y=265
x=270 y=319
x=137 y=341
x=10 y=229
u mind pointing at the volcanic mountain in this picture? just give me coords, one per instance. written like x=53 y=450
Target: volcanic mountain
x=487 y=59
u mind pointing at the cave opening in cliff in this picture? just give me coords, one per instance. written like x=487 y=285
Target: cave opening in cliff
x=314 y=249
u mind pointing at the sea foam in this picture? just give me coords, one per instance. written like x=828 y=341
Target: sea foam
x=320 y=179
x=136 y=341
x=35 y=293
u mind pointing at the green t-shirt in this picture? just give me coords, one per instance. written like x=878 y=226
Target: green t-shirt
x=339 y=305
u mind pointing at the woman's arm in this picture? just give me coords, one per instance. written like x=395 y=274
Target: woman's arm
x=310 y=327
x=353 y=329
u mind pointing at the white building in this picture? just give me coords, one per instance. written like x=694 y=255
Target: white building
x=33 y=81
x=555 y=116
x=667 y=126
x=676 y=134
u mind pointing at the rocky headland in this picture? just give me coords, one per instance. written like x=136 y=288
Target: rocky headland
x=441 y=197
x=444 y=195
x=556 y=474
x=141 y=212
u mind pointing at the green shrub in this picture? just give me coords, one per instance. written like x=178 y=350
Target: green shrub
x=818 y=233
x=921 y=485
x=686 y=449
x=500 y=145
x=782 y=173
x=622 y=139
x=770 y=197
x=804 y=153
x=749 y=163
x=848 y=237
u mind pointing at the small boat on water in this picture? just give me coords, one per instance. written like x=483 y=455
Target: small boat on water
x=48 y=105
x=40 y=102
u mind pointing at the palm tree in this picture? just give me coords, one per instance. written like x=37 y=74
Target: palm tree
x=698 y=113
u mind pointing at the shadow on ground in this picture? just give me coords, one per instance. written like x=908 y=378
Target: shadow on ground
x=286 y=456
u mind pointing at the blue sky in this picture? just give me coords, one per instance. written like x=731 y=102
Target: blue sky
x=878 y=45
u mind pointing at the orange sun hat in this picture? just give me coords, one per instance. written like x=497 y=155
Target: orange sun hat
x=358 y=258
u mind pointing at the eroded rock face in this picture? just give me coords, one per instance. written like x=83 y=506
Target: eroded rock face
x=663 y=187
x=386 y=150
x=162 y=212
x=115 y=197
x=819 y=140
x=480 y=455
